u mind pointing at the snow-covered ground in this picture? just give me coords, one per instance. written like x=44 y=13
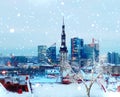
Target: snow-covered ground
x=60 y=90
x=57 y=90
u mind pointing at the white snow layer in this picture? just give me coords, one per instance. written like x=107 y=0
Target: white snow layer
x=59 y=90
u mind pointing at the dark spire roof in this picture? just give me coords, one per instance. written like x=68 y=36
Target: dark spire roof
x=63 y=20
x=63 y=27
x=63 y=47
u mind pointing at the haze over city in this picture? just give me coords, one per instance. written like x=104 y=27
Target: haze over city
x=25 y=24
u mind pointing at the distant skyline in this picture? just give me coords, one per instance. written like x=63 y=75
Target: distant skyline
x=25 y=24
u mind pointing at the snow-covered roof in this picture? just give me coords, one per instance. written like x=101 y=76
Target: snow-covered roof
x=2 y=90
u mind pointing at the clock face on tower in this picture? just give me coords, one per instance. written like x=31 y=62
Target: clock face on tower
x=62 y=46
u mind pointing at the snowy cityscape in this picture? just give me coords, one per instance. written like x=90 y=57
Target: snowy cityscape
x=60 y=48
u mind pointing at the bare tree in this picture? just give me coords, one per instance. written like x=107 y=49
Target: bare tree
x=88 y=87
x=96 y=70
x=95 y=73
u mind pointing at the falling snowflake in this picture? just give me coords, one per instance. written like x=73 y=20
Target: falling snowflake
x=16 y=8
x=31 y=41
x=93 y=25
x=46 y=33
x=12 y=30
x=62 y=3
x=98 y=14
x=62 y=14
x=18 y=14
x=7 y=26
x=116 y=31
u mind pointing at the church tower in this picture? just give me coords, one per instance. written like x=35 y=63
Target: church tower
x=63 y=49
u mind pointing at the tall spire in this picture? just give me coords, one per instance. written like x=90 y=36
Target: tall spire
x=63 y=27
x=63 y=47
x=63 y=20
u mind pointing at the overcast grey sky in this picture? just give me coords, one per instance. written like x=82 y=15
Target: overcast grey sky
x=25 y=24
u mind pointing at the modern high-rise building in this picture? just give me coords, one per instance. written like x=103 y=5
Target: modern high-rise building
x=113 y=58
x=63 y=49
x=42 y=53
x=97 y=51
x=109 y=60
x=76 y=49
x=91 y=52
x=51 y=53
x=88 y=52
